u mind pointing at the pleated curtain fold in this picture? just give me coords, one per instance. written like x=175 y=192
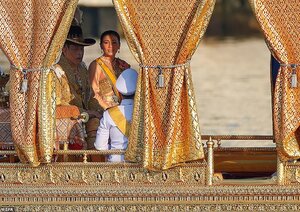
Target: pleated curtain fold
x=32 y=33
x=165 y=126
x=280 y=23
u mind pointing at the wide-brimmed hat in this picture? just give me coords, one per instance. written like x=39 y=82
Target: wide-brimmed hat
x=75 y=36
x=126 y=82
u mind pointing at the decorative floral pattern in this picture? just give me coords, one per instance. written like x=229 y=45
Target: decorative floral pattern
x=32 y=33
x=165 y=123
x=280 y=23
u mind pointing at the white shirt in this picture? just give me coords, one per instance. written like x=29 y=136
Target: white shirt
x=108 y=134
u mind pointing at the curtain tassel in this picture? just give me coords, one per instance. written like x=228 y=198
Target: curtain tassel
x=294 y=77
x=24 y=85
x=160 y=77
x=294 y=80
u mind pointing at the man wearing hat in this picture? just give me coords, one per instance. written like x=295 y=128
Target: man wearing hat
x=114 y=126
x=72 y=83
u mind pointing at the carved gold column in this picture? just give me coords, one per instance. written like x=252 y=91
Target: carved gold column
x=210 y=161
x=280 y=171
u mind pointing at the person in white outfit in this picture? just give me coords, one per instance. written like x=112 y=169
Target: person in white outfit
x=115 y=123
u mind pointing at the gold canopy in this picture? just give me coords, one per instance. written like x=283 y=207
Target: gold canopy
x=32 y=32
x=280 y=23
x=165 y=125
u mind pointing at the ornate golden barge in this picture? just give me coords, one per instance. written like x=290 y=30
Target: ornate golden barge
x=206 y=176
x=90 y=186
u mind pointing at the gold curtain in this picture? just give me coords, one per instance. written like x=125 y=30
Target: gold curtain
x=165 y=126
x=32 y=32
x=280 y=23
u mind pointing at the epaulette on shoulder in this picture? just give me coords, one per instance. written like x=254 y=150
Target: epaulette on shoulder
x=59 y=72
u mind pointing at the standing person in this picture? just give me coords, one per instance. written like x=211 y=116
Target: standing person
x=103 y=73
x=114 y=126
x=72 y=82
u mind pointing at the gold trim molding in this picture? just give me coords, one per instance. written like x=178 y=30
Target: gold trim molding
x=149 y=198
x=291 y=173
x=164 y=207
x=99 y=174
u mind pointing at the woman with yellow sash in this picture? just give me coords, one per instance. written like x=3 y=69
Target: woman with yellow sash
x=103 y=73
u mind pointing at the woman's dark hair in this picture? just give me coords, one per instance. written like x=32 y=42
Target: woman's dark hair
x=110 y=32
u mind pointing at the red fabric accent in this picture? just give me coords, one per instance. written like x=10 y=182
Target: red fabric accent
x=67 y=111
x=75 y=146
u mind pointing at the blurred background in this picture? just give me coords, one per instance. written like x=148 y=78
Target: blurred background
x=231 y=68
x=230 y=18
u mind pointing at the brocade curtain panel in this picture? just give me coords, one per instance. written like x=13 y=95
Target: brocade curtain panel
x=32 y=32
x=165 y=127
x=280 y=23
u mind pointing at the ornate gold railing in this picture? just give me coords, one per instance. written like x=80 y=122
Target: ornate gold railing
x=72 y=186
x=216 y=140
x=213 y=143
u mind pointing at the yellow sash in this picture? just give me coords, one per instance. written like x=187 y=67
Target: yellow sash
x=120 y=120
x=111 y=76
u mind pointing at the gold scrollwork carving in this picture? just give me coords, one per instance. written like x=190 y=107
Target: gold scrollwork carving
x=292 y=173
x=163 y=207
x=181 y=175
x=84 y=178
x=19 y=177
x=35 y=177
x=51 y=177
x=116 y=176
x=197 y=176
x=99 y=177
x=296 y=173
x=148 y=177
x=99 y=174
x=132 y=176
x=67 y=177
x=164 y=176
x=2 y=177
